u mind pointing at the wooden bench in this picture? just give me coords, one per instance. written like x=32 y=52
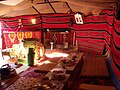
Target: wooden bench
x=95 y=87
x=94 y=68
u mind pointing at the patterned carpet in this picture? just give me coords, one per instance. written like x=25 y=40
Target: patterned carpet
x=31 y=73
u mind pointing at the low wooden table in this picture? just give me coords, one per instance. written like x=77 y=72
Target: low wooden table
x=78 y=60
x=25 y=83
x=54 y=61
x=11 y=83
x=29 y=83
x=60 y=83
x=74 y=72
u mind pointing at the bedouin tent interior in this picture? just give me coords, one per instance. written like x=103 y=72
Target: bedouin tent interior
x=87 y=30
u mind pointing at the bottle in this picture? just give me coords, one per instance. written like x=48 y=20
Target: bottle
x=31 y=57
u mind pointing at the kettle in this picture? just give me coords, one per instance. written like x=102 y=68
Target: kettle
x=6 y=71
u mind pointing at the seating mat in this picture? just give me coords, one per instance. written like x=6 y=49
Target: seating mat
x=94 y=67
x=95 y=87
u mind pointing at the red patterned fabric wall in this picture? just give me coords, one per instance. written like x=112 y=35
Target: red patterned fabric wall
x=95 y=34
x=115 y=47
x=56 y=20
x=16 y=37
x=96 y=31
x=18 y=28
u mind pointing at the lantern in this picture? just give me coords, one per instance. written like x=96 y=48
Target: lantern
x=78 y=18
x=33 y=20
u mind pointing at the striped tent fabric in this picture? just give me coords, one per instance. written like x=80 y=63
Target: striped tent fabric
x=96 y=32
